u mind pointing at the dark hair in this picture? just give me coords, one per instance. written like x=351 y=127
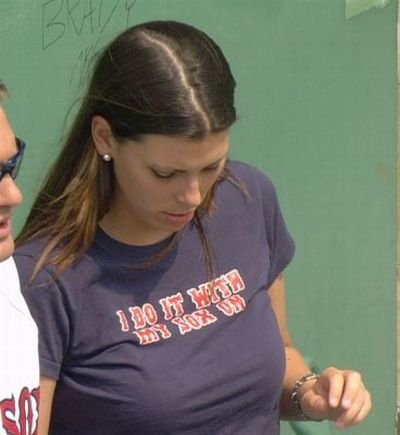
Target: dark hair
x=160 y=77
x=163 y=78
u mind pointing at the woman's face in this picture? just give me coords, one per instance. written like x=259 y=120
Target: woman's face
x=160 y=181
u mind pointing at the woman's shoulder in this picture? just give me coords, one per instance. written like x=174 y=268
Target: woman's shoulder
x=254 y=180
x=32 y=248
x=26 y=256
x=248 y=171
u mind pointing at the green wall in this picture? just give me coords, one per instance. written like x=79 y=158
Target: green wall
x=317 y=104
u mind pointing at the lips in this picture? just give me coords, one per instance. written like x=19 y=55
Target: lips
x=4 y=220
x=5 y=227
x=180 y=218
x=185 y=213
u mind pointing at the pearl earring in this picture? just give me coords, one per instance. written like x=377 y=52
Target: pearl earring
x=106 y=157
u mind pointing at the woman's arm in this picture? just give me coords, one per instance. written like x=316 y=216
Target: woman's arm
x=47 y=388
x=338 y=395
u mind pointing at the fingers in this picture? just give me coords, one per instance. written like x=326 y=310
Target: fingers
x=352 y=387
x=365 y=409
x=348 y=401
x=357 y=411
x=335 y=385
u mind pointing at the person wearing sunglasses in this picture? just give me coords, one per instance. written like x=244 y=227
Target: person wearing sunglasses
x=19 y=361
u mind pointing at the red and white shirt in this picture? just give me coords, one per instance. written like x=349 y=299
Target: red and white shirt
x=19 y=362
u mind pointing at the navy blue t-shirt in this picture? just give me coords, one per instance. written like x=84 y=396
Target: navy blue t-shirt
x=150 y=350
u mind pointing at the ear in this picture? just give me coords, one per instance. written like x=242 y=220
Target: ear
x=102 y=136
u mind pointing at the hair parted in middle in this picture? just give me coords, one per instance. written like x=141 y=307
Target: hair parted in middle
x=159 y=77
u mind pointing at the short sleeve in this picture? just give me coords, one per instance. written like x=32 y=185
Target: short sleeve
x=267 y=218
x=281 y=243
x=49 y=308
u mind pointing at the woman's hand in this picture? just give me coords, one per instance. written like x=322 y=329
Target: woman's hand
x=338 y=395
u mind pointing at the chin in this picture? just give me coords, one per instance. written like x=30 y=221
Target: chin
x=6 y=248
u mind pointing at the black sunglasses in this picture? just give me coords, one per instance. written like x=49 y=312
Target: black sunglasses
x=12 y=166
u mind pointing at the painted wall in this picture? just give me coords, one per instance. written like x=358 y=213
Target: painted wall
x=317 y=104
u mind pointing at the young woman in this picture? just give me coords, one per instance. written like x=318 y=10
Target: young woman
x=153 y=264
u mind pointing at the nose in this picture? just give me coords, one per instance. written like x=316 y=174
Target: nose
x=190 y=193
x=10 y=195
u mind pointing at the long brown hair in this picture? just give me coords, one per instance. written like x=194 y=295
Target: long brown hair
x=160 y=77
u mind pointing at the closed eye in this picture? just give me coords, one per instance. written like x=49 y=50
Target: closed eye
x=164 y=175
x=168 y=175
x=211 y=168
